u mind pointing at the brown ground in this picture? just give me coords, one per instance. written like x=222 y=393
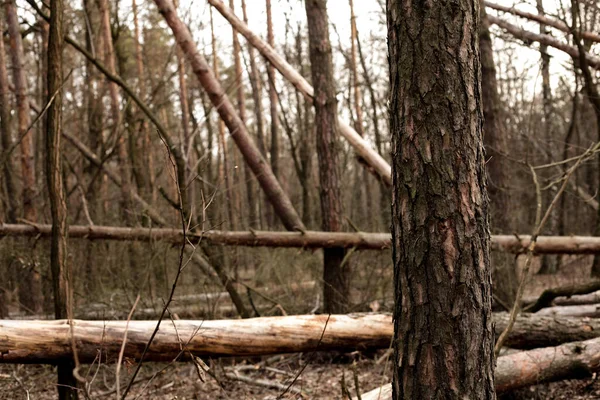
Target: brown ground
x=320 y=379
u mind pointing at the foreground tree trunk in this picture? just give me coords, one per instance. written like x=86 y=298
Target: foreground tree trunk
x=440 y=231
x=335 y=274
x=61 y=273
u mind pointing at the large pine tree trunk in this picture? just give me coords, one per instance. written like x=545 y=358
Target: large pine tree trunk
x=335 y=274
x=442 y=319
x=61 y=271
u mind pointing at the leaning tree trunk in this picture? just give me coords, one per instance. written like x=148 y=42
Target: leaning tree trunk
x=440 y=235
x=61 y=272
x=335 y=273
x=268 y=182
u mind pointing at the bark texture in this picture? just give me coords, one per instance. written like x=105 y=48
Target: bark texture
x=439 y=203
x=335 y=274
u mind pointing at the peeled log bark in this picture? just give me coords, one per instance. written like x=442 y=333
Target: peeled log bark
x=569 y=361
x=49 y=341
x=307 y=239
x=360 y=145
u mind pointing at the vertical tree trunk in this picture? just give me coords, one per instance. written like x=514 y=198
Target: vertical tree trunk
x=61 y=271
x=273 y=108
x=335 y=275
x=96 y=187
x=10 y=206
x=30 y=288
x=305 y=138
x=550 y=262
x=255 y=83
x=110 y=62
x=494 y=138
x=188 y=185
x=365 y=196
x=224 y=176
x=385 y=196
x=148 y=186
x=443 y=345
x=6 y=137
x=241 y=103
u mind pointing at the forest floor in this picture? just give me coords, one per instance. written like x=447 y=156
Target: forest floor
x=315 y=375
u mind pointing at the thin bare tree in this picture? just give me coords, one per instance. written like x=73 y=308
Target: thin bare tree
x=335 y=271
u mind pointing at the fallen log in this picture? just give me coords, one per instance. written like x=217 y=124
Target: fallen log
x=49 y=341
x=517 y=370
x=308 y=239
x=542 y=19
x=585 y=310
x=548 y=296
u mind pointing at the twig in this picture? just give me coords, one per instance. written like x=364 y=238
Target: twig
x=531 y=249
x=120 y=359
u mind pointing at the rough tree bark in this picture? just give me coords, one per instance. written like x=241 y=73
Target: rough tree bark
x=30 y=292
x=335 y=273
x=569 y=361
x=440 y=231
x=61 y=272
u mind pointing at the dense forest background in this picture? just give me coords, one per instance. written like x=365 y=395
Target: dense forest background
x=543 y=107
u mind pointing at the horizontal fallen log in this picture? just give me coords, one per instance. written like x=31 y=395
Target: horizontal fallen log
x=578 y=311
x=542 y=19
x=308 y=239
x=49 y=341
x=548 y=296
x=517 y=370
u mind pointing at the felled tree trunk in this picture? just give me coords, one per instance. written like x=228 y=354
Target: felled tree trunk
x=31 y=341
x=570 y=361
